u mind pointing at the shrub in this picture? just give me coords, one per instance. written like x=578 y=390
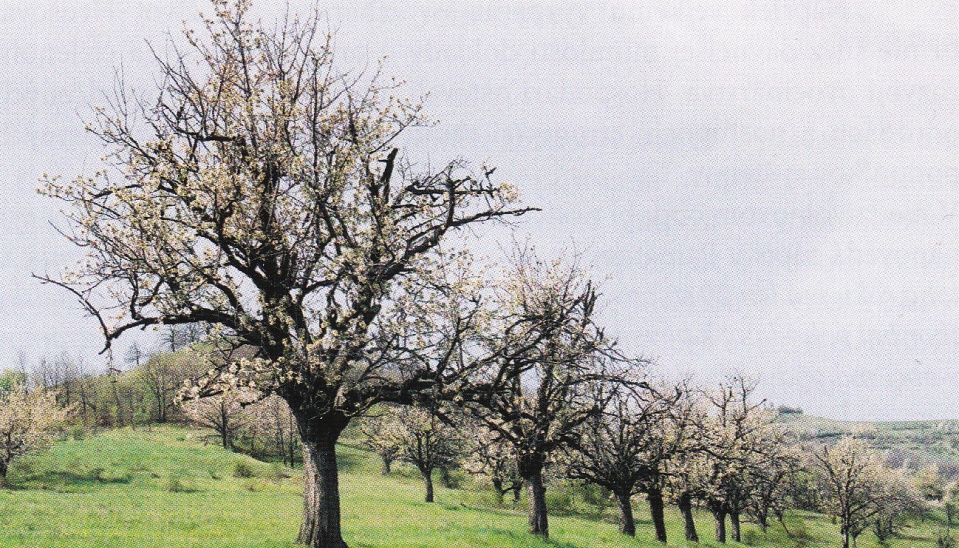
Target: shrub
x=559 y=501
x=243 y=469
x=751 y=537
x=944 y=538
x=77 y=432
x=278 y=472
x=177 y=484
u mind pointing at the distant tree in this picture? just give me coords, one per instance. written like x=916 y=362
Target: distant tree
x=378 y=439
x=625 y=447
x=223 y=413
x=489 y=455
x=544 y=352
x=27 y=422
x=900 y=503
x=771 y=471
x=732 y=443
x=931 y=485
x=851 y=483
x=423 y=441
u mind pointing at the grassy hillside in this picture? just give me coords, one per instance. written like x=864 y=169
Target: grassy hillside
x=164 y=488
x=915 y=443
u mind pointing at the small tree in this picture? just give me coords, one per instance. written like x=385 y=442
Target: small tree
x=423 y=441
x=489 y=455
x=625 y=447
x=27 y=422
x=543 y=353
x=378 y=438
x=223 y=413
x=850 y=479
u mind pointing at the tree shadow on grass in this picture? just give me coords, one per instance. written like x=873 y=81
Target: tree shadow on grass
x=59 y=479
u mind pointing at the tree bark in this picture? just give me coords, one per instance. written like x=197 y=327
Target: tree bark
x=627 y=525
x=517 y=491
x=734 y=522
x=720 y=516
x=321 y=500
x=3 y=471
x=428 y=482
x=538 y=521
x=498 y=488
x=387 y=466
x=685 y=503
x=655 y=498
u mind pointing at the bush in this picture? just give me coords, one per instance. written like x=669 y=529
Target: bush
x=559 y=500
x=751 y=537
x=242 y=469
x=177 y=484
x=278 y=472
x=77 y=433
x=944 y=538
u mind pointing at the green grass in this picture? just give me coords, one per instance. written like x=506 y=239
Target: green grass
x=165 y=488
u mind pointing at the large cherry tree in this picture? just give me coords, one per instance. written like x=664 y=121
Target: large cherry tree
x=260 y=191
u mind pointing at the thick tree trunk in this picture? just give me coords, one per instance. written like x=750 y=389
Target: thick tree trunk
x=655 y=498
x=387 y=466
x=720 y=516
x=685 y=503
x=517 y=491
x=627 y=525
x=428 y=482
x=321 y=497
x=538 y=522
x=3 y=471
x=734 y=522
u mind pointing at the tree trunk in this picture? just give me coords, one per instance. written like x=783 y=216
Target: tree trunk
x=627 y=525
x=321 y=500
x=445 y=478
x=517 y=491
x=387 y=466
x=498 y=488
x=655 y=498
x=685 y=504
x=720 y=516
x=734 y=522
x=3 y=471
x=538 y=522
x=428 y=482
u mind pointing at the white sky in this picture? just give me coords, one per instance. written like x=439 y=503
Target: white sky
x=768 y=187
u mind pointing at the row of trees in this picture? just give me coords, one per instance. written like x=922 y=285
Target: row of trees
x=716 y=449
x=260 y=193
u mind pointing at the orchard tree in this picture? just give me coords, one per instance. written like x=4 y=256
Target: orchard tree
x=624 y=448
x=223 y=413
x=378 y=439
x=544 y=351
x=488 y=454
x=261 y=192
x=851 y=481
x=423 y=441
x=28 y=420
x=770 y=473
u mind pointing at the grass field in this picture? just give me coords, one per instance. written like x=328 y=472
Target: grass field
x=164 y=488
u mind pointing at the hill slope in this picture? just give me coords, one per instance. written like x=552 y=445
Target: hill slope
x=164 y=488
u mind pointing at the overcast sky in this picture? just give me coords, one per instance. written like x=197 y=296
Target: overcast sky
x=766 y=187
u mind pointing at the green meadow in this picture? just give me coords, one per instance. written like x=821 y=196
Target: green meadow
x=165 y=487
